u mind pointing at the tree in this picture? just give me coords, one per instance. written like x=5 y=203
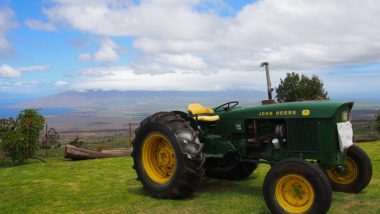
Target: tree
x=19 y=137
x=378 y=121
x=295 y=87
x=52 y=138
x=15 y=145
x=6 y=126
x=30 y=123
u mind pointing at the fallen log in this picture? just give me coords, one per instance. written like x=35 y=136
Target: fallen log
x=364 y=139
x=79 y=153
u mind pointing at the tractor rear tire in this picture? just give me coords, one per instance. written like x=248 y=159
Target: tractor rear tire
x=167 y=156
x=296 y=186
x=228 y=169
x=358 y=175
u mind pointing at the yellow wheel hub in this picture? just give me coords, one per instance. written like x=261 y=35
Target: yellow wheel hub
x=347 y=177
x=158 y=158
x=294 y=194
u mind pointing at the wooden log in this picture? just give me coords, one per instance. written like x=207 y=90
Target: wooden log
x=119 y=152
x=77 y=153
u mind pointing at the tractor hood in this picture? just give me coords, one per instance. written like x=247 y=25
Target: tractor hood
x=304 y=109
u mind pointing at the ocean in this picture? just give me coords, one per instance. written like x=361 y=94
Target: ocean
x=13 y=112
x=6 y=112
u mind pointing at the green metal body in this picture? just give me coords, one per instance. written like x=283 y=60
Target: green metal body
x=308 y=131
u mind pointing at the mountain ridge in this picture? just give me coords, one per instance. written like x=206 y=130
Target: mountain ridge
x=74 y=99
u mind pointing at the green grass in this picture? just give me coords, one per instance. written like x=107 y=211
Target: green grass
x=110 y=186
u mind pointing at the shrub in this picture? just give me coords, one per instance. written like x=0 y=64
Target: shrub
x=378 y=121
x=52 y=139
x=15 y=145
x=30 y=123
x=18 y=138
x=76 y=142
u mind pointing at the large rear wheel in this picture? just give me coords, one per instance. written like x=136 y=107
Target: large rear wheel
x=296 y=186
x=167 y=156
x=354 y=175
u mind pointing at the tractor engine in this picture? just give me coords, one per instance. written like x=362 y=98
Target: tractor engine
x=266 y=132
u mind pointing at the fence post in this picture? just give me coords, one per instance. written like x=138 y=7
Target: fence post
x=46 y=138
x=130 y=132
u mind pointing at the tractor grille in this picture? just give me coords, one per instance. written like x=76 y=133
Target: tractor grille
x=302 y=135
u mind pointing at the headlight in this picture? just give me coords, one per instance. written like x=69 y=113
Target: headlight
x=345 y=116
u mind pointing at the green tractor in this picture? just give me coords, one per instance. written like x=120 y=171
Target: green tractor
x=308 y=145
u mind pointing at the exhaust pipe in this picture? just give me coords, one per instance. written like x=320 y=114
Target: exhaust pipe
x=269 y=84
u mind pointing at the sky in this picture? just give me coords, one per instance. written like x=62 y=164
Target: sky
x=50 y=46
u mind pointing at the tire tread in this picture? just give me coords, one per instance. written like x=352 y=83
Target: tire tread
x=191 y=173
x=294 y=165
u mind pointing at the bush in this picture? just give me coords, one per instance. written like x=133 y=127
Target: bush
x=378 y=121
x=52 y=139
x=76 y=142
x=18 y=138
x=15 y=145
x=7 y=124
x=30 y=123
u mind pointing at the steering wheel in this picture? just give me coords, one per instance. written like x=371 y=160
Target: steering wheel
x=226 y=106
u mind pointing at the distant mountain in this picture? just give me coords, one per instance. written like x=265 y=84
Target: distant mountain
x=139 y=100
x=111 y=110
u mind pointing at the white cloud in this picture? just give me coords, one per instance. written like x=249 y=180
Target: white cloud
x=154 y=46
x=173 y=38
x=124 y=78
x=163 y=18
x=4 y=45
x=6 y=23
x=61 y=83
x=9 y=72
x=34 y=68
x=290 y=34
x=182 y=61
x=30 y=87
x=38 y=25
x=99 y=72
x=108 y=52
x=84 y=57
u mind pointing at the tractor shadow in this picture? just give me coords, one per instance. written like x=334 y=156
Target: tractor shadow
x=247 y=186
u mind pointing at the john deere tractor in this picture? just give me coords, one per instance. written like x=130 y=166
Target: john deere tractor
x=308 y=145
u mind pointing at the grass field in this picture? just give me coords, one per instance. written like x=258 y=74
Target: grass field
x=110 y=186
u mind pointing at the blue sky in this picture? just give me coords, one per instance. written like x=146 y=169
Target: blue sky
x=49 y=46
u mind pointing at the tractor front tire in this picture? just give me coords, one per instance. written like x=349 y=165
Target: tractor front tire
x=167 y=156
x=357 y=175
x=228 y=168
x=296 y=186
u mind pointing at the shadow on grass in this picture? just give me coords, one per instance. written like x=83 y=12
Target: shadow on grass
x=217 y=185
x=10 y=164
x=210 y=185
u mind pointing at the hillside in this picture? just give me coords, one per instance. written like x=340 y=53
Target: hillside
x=104 y=99
x=113 y=110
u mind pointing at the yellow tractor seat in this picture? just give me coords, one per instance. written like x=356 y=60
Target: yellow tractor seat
x=202 y=113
